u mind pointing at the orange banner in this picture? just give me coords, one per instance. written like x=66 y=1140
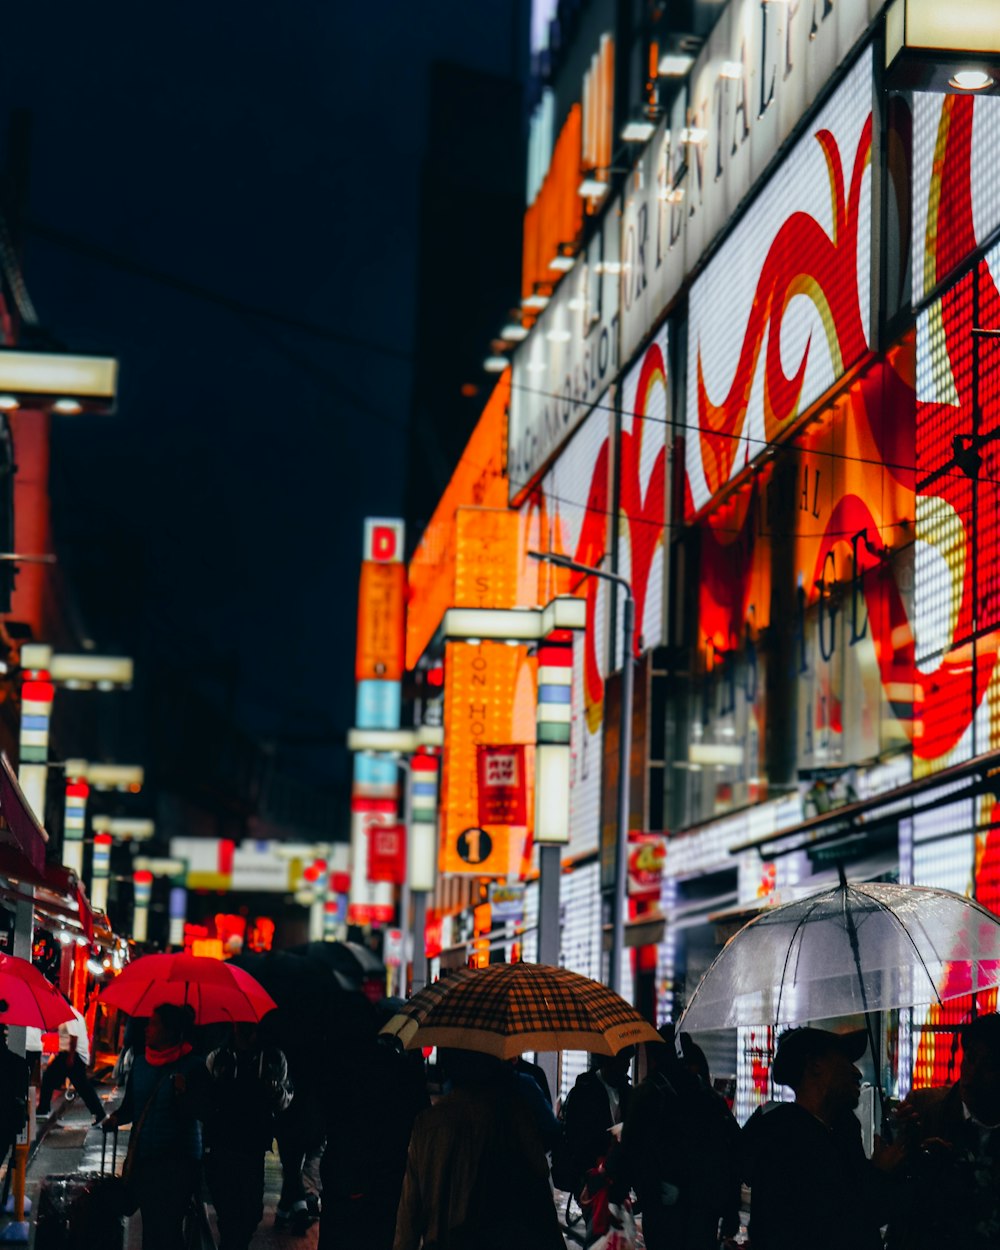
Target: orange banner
x=478 y=481
x=381 y=622
x=489 y=698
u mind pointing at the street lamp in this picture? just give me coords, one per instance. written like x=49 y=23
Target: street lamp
x=535 y=625
x=420 y=824
x=624 y=756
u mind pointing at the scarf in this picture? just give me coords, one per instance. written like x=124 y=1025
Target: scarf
x=160 y=1058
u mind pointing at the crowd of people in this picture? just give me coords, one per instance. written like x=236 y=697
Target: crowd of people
x=362 y=1146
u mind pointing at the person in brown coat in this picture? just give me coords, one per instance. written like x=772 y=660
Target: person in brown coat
x=476 y=1173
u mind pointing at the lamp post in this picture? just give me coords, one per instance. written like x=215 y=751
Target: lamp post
x=420 y=822
x=565 y=613
x=624 y=756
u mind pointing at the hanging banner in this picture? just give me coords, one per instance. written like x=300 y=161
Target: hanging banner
x=387 y=853
x=647 y=853
x=502 y=787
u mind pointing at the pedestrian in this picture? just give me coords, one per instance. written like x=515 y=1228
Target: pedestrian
x=248 y=1086
x=476 y=1173
x=13 y=1095
x=299 y=1130
x=71 y=1063
x=951 y=1194
x=680 y=1151
x=596 y=1104
x=810 y=1181
x=163 y=1093
x=374 y=1093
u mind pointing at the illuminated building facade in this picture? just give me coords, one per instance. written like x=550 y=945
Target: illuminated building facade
x=760 y=382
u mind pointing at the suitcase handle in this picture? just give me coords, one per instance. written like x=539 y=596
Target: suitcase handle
x=114 y=1152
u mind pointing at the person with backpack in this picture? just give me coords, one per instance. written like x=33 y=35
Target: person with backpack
x=598 y=1101
x=680 y=1152
x=163 y=1094
x=248 y=1086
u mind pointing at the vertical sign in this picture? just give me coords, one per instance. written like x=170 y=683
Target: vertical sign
x=489 y=698
x=378 y=670
x=502 y=785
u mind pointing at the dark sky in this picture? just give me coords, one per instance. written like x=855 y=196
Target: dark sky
x=269 y=155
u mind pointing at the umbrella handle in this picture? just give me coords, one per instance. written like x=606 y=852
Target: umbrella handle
x=852 y=933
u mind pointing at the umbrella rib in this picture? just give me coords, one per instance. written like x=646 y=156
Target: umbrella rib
x=788 y=955
x=916 y=951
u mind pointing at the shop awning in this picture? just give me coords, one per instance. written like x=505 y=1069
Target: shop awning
x=58 y=895
x=20 y=826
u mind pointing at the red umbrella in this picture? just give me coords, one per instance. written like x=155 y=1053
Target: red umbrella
x=27 y=998
x=217 y=991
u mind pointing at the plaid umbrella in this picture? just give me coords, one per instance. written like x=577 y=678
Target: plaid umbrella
x=412 y=1013
x=506 y=1009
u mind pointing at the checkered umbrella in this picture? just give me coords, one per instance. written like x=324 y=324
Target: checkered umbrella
x=413 y=1012
x=506 y=1009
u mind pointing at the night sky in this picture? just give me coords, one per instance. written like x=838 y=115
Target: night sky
x=193 y=165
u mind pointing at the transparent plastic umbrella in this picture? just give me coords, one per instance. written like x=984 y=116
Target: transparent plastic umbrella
x=850 y=950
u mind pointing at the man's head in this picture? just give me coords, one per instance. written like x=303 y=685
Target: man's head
x=979 y=1079
x=819 y=1066
x=615 y=1068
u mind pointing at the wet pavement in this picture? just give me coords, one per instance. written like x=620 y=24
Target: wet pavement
x=68 y=1143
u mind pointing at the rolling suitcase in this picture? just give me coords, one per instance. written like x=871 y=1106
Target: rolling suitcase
x=82 y=1210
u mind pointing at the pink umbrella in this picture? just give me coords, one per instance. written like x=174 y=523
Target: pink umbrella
x=217 y=991
x=27 y=998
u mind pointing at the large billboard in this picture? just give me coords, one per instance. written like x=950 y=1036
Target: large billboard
x=644 y=487
x=782 y=310
x=958 y=520
x=569 y=512
x=956 y=183
x=804 y=636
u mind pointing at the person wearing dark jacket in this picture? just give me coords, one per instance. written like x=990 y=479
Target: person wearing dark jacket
x=598 y=1101
x=680 y=1151
x=165 y=1087
x=373 y=1093
x=810 y=1183
x=248 y=1086
x=13 y=1095
x=950 y=1199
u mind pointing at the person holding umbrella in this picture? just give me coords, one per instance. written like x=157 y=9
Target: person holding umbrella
x=951 y=1197
x=165 y=1087
x=810 y=1183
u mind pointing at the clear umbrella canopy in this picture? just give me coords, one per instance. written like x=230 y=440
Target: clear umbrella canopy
x=849 y=950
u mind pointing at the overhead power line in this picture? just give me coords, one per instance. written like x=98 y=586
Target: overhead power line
x=196 y=290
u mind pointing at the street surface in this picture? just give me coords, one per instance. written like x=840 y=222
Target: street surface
x=70 y=1144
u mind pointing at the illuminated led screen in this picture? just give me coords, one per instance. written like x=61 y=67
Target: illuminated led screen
x=782 y=310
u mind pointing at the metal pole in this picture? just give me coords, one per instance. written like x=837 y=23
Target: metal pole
x=624 y=767
x=404 y=893
x=419 y=979
x=549 y=872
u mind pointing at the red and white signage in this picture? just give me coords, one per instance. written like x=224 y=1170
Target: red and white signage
x=647 y=854
x=502 y=789
x=387 y=853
